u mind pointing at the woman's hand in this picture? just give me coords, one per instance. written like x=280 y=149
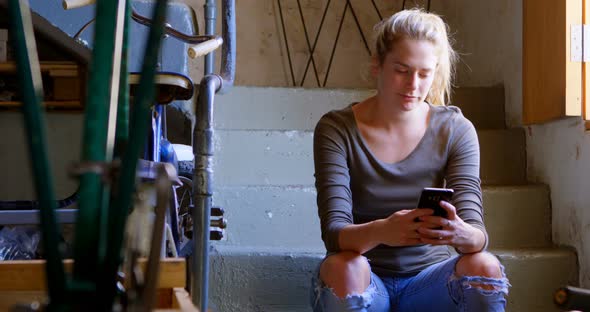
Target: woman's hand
x=401 y=228
x=454 y=232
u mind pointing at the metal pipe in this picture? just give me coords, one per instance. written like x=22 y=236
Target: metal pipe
x=203 y=188
x=203 y=152
x=228 y=49
x=210 y=17
x=31 y=89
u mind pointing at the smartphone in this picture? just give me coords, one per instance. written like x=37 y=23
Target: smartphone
x=431 y=197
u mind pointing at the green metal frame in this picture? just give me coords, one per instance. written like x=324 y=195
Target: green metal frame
x=92 y=206
x=97 y=249
x=23 y=40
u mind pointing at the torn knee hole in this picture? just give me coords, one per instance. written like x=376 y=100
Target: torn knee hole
x=485 y=286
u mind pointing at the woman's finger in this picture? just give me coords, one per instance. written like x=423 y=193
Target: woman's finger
x=434 y=221
x=433 y=233
x=450 y=209
x=419 y=212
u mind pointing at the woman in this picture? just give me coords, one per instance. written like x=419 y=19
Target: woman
x=373 y=158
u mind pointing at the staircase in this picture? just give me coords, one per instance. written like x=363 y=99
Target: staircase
x=264 y=180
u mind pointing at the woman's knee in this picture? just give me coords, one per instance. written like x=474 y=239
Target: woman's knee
x=481 y=264
x=346 y=273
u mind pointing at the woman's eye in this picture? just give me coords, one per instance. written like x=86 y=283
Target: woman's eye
x=401 y=70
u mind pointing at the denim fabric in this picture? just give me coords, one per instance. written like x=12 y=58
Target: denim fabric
x=437 y=288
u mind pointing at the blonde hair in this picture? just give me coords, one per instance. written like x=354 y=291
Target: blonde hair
x=419 y=25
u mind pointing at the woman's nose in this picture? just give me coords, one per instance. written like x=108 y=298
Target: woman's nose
x=413 y=81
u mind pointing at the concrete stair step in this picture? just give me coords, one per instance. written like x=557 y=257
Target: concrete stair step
x=246 y=157
x=523 y=210
x=484 y=106
x=535 y=274
x=249 y=279
x=263 y=108
x=503 y=156
x=268 y=216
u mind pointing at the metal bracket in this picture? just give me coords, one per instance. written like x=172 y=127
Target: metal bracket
x=580 y=43
x=576 y=43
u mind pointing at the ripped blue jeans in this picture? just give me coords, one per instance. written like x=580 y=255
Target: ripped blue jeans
x=436 y=288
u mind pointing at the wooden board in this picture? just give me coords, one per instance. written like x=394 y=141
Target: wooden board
x=46 y=66
x=552 y=83
x=29 y=275
x=24 y=282
x=66 y=85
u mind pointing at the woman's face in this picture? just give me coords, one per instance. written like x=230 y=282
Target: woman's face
x=406 y=74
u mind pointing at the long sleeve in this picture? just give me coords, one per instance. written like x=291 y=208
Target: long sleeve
x=462 y=174
x=332 y=180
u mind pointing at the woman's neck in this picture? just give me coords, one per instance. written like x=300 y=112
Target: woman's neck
x=388 y=115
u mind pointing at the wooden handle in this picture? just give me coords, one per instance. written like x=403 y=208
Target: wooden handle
x=204 y=47
x=72 y=4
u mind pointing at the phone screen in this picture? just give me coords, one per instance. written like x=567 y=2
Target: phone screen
x=431 y=197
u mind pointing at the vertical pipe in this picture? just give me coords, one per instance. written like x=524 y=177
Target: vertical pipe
x=31 y=89
x=228 y=49
x=203 y=188
x=210 y=14
x=203 y=151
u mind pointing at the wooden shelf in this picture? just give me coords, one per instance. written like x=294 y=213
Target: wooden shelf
x=47 y=104
x=24 y=281
x=63 y=84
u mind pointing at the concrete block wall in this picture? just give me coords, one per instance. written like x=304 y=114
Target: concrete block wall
x=264 y=180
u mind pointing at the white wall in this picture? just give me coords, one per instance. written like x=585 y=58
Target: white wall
x=63 y=135
x=558 y=154
x=488 y=36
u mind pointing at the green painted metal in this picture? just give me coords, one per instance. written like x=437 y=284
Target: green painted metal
x=112 y=119
x=122 y=134
x=31 y=90
x=92 y=207
x=126 y=183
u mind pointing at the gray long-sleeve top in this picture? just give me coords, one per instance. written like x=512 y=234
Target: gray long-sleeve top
x=353 y=186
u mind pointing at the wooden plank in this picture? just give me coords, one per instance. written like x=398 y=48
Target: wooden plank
x=8 y=299
x=69 y=105
x=63 y=73
x=10 y=67
x=29 y=275
x=66 y=88
x=182 y=301
x=551 y=82
x=65 y=80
